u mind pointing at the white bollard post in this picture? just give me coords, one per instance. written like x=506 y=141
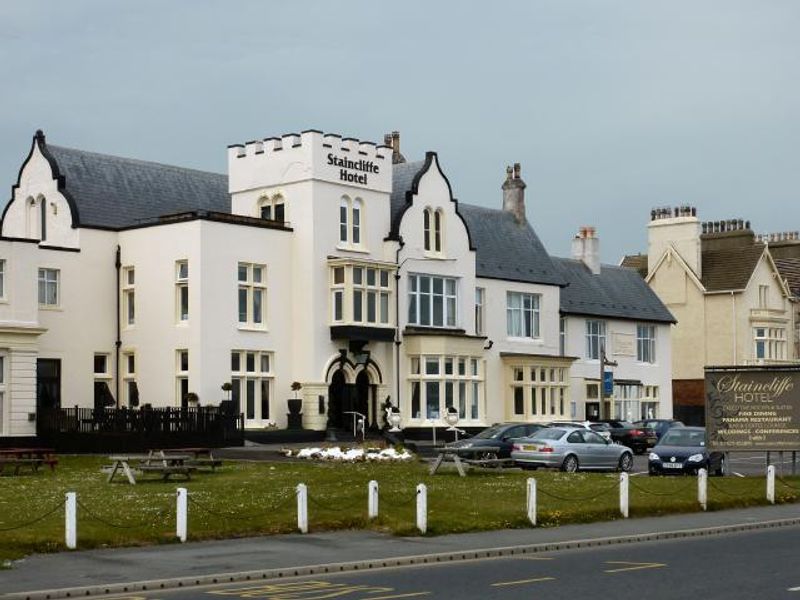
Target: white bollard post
x=702 y=488
x=771 y=484
x=623 y=494
x=71 y=521
x=372 y=499
x=532 y=500
x=302 y=507
x=182 y=514
x=422 y=508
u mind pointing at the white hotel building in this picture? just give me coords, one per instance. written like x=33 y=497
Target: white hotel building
x=318 y=259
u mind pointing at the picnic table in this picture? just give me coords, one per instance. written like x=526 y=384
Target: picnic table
x=159 y=462
x=460 y=456
x=33 y=458
x=201 y=457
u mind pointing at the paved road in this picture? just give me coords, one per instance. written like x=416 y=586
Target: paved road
x=743 y=464
x=761 y=564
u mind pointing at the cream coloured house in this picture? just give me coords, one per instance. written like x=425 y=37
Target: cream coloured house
x=732 y=304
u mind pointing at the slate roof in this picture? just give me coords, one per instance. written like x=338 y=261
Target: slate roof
x=616 y=292
x=505 y=249
x=637 y=262
x=730 y=268
x=114 y=192
x=789 y=269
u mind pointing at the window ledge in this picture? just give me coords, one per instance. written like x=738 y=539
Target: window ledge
x=352 y=248
x=434 y=255
x=51 y=308
x=252 y=328
x=526 y=340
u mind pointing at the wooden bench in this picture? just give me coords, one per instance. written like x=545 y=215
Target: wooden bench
x=168 y=470
x=213 y=463
x=19 y=463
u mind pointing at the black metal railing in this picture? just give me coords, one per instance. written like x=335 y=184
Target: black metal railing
x=121 y=429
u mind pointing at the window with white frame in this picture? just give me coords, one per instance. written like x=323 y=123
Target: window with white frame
x=646 y=343
x=351 y=221
x=769 y=343
x=432 y=301
x=49 y=281
x=522 y=314
x=102 y=379
x=763 y=296
x=539 y=392
x=595 y=338
x=432 y=224
x=129 y=386
x=649 y=402
x=251 y=383
x=2 y=279
x=129 y=295
x=360 y=294
x=480 y=316
x=438 y=382
x=182 y=377
x=182 y=290
x=272 y=209
x=252 y=295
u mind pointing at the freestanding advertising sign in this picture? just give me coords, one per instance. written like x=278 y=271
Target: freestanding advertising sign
x=753 y=408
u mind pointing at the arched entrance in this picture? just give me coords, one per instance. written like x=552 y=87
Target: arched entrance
x=347 y=396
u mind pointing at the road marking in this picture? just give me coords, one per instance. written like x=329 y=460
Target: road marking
x=409 y=595
x=532 y=557
x=308 y=590
x=794 y=589
x=632 y=566
x=522 y=581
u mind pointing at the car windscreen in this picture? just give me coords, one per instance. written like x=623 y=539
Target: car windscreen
x=489 y=434
x=679 y=436
x=550 y=433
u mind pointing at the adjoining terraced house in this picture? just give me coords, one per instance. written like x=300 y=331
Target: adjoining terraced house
x=317 y=259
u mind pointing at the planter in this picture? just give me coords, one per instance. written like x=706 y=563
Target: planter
x=295 y=415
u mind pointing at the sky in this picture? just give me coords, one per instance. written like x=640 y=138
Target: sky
x=612 y=107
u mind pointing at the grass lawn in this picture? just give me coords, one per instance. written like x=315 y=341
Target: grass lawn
x=249 y=498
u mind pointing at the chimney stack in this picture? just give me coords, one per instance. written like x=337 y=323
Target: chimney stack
x=514 y=193
x=586 y=248
x=393 y=141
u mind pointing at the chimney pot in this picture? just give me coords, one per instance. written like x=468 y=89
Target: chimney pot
x=514 y=193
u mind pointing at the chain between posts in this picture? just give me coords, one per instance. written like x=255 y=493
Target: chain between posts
x=579 y=499
x=49 y=513
x=284 y=501
x=685 y=487
x=94 y=516
x=402 y=503
x=349 y=506
x=788 y=485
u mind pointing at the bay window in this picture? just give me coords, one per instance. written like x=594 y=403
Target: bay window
x=539 y=392
x=438 y=382
x=360 y=294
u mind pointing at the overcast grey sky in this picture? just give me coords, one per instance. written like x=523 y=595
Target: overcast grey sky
x=612 y=107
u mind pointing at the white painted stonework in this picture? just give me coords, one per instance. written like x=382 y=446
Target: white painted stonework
x=299 y=337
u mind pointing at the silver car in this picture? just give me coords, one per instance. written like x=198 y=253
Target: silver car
x=570 y=449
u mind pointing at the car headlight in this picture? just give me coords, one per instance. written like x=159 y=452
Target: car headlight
x=654 y=456
x=466 y=445
x=695 y=458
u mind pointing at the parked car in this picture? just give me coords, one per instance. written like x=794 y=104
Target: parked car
x=683 y=450
x=571 y=449
x=601 y=429
x=498 y=435
x=660 y=426
x=638 y=439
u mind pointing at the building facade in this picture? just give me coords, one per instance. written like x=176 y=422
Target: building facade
x=317 y=260
x=733 y=304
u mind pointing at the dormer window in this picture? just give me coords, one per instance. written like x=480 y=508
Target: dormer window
x=272 y=209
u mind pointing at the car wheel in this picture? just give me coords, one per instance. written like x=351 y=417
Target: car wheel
x=489 y=456
x=720 y=470
x=626 y=462
x=570 y=464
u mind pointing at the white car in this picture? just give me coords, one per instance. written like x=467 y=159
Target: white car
x=601 y=429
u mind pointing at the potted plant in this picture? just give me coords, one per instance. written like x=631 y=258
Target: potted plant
x=295 y=404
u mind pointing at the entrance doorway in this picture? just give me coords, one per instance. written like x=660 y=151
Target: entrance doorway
x=344 y=399
x=48 y=383
x=592 y=411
